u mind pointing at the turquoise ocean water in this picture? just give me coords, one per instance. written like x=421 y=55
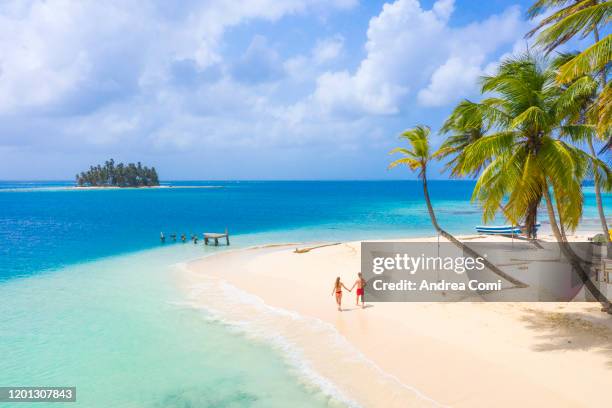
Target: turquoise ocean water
x=88 y=298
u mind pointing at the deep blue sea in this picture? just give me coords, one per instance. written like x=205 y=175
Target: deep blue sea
x=45 y=226
x=88 y=295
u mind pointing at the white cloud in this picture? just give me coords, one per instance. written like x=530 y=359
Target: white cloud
x=328 y=49
x=450 y=81
x=325 y=52
x=62 y=52
x=471 y=52
x=410 y=49
x=259 y=63
x=156 y=77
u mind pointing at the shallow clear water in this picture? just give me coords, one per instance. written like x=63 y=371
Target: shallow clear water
x=119 y=331
x=88 y=296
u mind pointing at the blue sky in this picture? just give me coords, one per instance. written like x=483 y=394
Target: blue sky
x=259 y=89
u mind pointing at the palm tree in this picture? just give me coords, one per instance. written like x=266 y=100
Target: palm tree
x=416 y=158
x=464 y=126
x=578 y=102
x=581 y=18
x=521 y=159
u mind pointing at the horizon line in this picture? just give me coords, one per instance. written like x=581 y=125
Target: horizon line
x=213 y=180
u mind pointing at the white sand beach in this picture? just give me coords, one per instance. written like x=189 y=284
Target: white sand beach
x=407 y=354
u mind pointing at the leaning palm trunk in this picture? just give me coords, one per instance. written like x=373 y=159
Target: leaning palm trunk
x=517 y=283
x=597 y=182
x=561 y=227
x=531 y=219
x=573 y=258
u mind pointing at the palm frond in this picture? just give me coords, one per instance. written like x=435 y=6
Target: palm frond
x=574 y=98
x=541 y=6
x=417 y=154
x=577 y=133
x=570 y=21
x=602 y=110
x=592 y=59
x=487 y=149
x=534 y=117
x=410 y=162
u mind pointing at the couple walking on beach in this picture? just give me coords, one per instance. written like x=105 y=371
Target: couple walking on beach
x=338 y=285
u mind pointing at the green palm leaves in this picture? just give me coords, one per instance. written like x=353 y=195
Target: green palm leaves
x=574 y=18
x=417 y=156
x=465 y=125
x=592 y=59
x=510 y=141
x=584 y=71
x=522 y=140
x=580 y=18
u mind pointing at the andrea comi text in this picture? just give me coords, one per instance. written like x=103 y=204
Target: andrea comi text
x=427 y=286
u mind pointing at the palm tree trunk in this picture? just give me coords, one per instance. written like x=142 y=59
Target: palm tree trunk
x=459 y=244
x=561 y=227
x=531 y=219
x=432 y=214
x=572 y=257
x=597 y=182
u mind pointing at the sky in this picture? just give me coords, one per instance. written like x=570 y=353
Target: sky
x=257 y=89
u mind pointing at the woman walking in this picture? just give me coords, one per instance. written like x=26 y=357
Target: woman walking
x=338 y=285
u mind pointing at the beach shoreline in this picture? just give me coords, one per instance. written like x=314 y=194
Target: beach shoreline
x=407 y=354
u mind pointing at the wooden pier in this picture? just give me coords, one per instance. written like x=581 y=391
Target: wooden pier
x=216 y=236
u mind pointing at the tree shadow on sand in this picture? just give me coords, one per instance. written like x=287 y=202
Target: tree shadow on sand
x=567 y=331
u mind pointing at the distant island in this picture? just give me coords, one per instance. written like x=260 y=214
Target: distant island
x=118 y=175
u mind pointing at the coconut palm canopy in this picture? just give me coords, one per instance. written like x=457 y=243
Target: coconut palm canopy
x=417 y=156
x=580 y=18
x=521 y=155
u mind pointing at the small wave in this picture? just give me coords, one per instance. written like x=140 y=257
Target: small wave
x=292 y=334
x=309 y=377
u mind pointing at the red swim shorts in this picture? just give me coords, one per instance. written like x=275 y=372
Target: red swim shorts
x=359 y=292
